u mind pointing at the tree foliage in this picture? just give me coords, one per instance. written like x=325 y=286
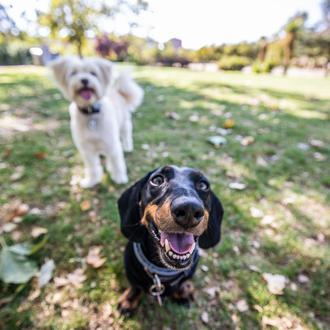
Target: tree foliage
x=71 y=20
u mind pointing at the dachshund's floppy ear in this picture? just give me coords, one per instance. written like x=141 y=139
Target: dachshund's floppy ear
x=130 y=211
x=212 y=235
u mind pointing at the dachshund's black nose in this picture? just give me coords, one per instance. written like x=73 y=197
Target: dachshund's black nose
x=84 y=82
x=187 y=212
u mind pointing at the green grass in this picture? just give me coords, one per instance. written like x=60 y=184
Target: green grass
x=278 y=112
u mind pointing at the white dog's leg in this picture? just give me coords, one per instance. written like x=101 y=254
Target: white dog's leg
x=115 y=164
x=126 y=135
x=93 y=169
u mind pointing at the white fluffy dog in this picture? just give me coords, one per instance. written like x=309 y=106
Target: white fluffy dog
x=101 y=107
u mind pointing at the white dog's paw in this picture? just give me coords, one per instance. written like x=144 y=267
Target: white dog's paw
x=88 y=183
x=128 y=146
x=120 y=179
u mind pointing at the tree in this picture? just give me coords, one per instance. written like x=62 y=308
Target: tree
x=73 y=19
x=292 y=28
x=263 y=47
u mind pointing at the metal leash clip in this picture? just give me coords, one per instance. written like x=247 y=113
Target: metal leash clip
x=157 y=289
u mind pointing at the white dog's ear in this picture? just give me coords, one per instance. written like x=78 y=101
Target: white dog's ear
x=106 y=68
x=59 y=68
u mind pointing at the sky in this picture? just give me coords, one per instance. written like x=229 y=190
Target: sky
x=204 y=22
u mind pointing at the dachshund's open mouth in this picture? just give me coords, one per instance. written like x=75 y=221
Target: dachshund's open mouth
x=86 y=93
x=176 y=248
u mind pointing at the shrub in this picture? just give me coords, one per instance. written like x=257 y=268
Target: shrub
x=265 y=67
x=12 y=55
x=234 y=63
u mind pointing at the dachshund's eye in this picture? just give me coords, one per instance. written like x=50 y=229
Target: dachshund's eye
x=73 y=73
x=157 y=180
x=202 y=185
x=93 y=73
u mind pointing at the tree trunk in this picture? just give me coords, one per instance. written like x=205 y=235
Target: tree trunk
x=288 y=50
x=79 y=48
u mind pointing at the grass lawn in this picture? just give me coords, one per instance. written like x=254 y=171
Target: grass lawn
x=278 y=224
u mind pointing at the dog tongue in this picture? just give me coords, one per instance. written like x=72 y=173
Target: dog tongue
x=180 y=243
x=86 y=94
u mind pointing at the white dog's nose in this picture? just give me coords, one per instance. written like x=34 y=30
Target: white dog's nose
x=84 y=82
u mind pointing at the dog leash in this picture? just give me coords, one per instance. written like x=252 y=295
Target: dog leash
x=160 y=275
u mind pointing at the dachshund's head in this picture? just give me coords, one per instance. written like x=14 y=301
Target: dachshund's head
x=176 y=208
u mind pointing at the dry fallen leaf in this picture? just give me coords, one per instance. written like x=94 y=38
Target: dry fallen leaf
x=237 y=185
x=21 y=210
x=18 y=174
x=319 y=157
x=9 y=227
x=316 y=143
x=40 y=155
x=242 y=305
x=37 y=231
x=247 y=140
x=217 y=140
x=194 y=118
x=93 y=258
x=85 y=205
x=255 y=212
x=204 y=268
x=229 y=123
x=303 y=279
x=212 y=291
x=205 y=317
x=173 y=115
x=275 y=283
x=75 y=278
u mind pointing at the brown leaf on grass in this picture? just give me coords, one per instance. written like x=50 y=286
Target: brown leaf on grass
x=40 y=155
x=13 y=211
x=85 y=205
x=61 y=281
x=37 y=231
x=93 y=258
x=21 y=210
x=75 y=278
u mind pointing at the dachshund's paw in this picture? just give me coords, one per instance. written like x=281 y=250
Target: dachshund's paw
x=185 y=294
x=129 y=301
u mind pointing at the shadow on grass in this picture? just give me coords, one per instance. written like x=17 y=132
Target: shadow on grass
x=183 y=142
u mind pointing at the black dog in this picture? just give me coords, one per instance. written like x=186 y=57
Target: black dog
x=166 y=216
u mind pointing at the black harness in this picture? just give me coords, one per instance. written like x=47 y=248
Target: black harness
x=161 y=275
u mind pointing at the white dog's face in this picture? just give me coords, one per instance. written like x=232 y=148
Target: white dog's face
x=83 y=81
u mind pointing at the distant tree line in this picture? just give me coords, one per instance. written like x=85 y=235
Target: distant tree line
x=76 y=26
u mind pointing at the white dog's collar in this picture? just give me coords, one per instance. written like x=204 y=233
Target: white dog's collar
x=91 y=109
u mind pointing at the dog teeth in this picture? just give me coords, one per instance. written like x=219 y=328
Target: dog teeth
x=170 y=253
x=167 y=245
x=192 y=247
